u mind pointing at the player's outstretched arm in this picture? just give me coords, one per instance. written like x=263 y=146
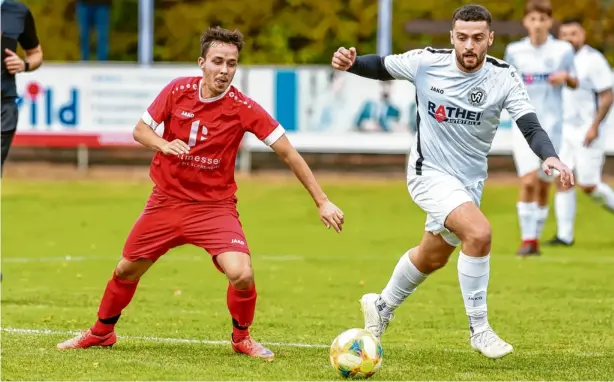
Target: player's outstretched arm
x=542 y=146
x=146 y=136
x=369 y=66
x=330 y=214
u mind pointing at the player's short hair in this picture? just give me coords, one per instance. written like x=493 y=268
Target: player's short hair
x=472 y=12
x=571 y=20
x=540 y=6
x=218 y=34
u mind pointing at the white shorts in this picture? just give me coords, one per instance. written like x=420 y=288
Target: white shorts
x=525 y=159
x=438 y=194
x=587 y=162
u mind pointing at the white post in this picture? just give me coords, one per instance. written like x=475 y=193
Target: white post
x=83 y=158
x=384 y=27
x=146 y=41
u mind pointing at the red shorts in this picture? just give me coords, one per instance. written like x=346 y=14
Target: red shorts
x=168 y=222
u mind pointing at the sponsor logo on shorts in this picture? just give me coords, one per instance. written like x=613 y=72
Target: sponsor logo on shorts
x=237 y=241
x=451 y=114
x=535 y=78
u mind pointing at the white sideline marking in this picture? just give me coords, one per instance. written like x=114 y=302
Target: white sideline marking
x=48 y=332
x=289 y=258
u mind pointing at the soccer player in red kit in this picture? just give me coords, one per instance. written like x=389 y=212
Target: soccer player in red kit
x=193 y=200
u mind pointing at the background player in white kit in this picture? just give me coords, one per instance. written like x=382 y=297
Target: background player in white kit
x=546 y=66
x=582 y=148
x=460 y=94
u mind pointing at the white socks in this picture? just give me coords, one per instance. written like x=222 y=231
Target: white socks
x=527 y=216
x=403 y=282
x=542 y=216
x=604 y=195
x=565 y=211
x=473 y=275
x=565 y=208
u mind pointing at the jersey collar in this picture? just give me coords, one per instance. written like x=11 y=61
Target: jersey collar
x=212 y=99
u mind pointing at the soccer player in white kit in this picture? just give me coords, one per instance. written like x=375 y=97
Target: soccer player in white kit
x=546 y=67
x=582 y=148
x=460 y=94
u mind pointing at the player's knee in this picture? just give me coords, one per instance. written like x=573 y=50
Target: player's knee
x=241 y=277
x=132 y=270
x=479 y=239
x=529 y=184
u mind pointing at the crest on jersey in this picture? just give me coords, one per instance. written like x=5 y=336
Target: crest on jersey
x=477 y=96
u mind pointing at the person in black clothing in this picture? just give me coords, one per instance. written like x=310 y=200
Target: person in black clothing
x=17 y=29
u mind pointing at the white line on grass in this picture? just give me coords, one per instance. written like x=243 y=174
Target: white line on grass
x=47 y=332
x=290 y=258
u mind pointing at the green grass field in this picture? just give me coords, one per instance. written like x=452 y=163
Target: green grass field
x=61 y=240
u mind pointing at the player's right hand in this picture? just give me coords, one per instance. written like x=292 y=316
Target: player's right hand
x=331 y=216
x=567 y=178
x=344 y=58
x=176 y=147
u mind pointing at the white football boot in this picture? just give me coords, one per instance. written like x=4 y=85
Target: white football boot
x=374 y=321
x=490 y=344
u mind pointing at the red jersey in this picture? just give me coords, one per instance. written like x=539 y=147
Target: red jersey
x=213 y=128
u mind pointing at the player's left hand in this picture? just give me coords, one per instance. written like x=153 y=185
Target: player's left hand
x=558 y=78
x=331 y=215
x=14 y=63
x=591 y=135
x=567 y=178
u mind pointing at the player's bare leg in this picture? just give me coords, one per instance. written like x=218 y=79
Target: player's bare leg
x=473 y=229
x=241 y=299
x=413 y=268
x=117 y=295
x=528 y=211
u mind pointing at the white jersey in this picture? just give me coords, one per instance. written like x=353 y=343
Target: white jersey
x=594 y=76
x=457 y=113
x=535 y=64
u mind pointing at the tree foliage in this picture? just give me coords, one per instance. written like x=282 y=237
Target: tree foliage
x=289 y=31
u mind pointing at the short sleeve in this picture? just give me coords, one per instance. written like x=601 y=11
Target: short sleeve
x=507 y=56
x=404 y=66
x=160 y=109
x=600 y=74
x=28 y=38
x=259 y=122
x=517 y=102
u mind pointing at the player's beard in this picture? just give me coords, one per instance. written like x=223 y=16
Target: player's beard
x=475 y=60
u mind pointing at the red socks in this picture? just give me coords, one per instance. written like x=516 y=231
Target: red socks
x=119 y=293
x=117 y=296
x=242 y=306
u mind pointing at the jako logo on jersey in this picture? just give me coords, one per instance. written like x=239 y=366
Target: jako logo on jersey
x=36 y=97
x=451 y=114
x=237 y=241
x=187 y=114
x=436 y=90
x=535 y=78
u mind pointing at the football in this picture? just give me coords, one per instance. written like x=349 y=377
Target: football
x=356 y=353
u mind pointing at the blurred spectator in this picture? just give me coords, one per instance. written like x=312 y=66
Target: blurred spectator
x=330 y=106
x=97 y=14
x=379 y=115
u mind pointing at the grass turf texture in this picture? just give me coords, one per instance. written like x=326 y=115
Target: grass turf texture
x=556 y=310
